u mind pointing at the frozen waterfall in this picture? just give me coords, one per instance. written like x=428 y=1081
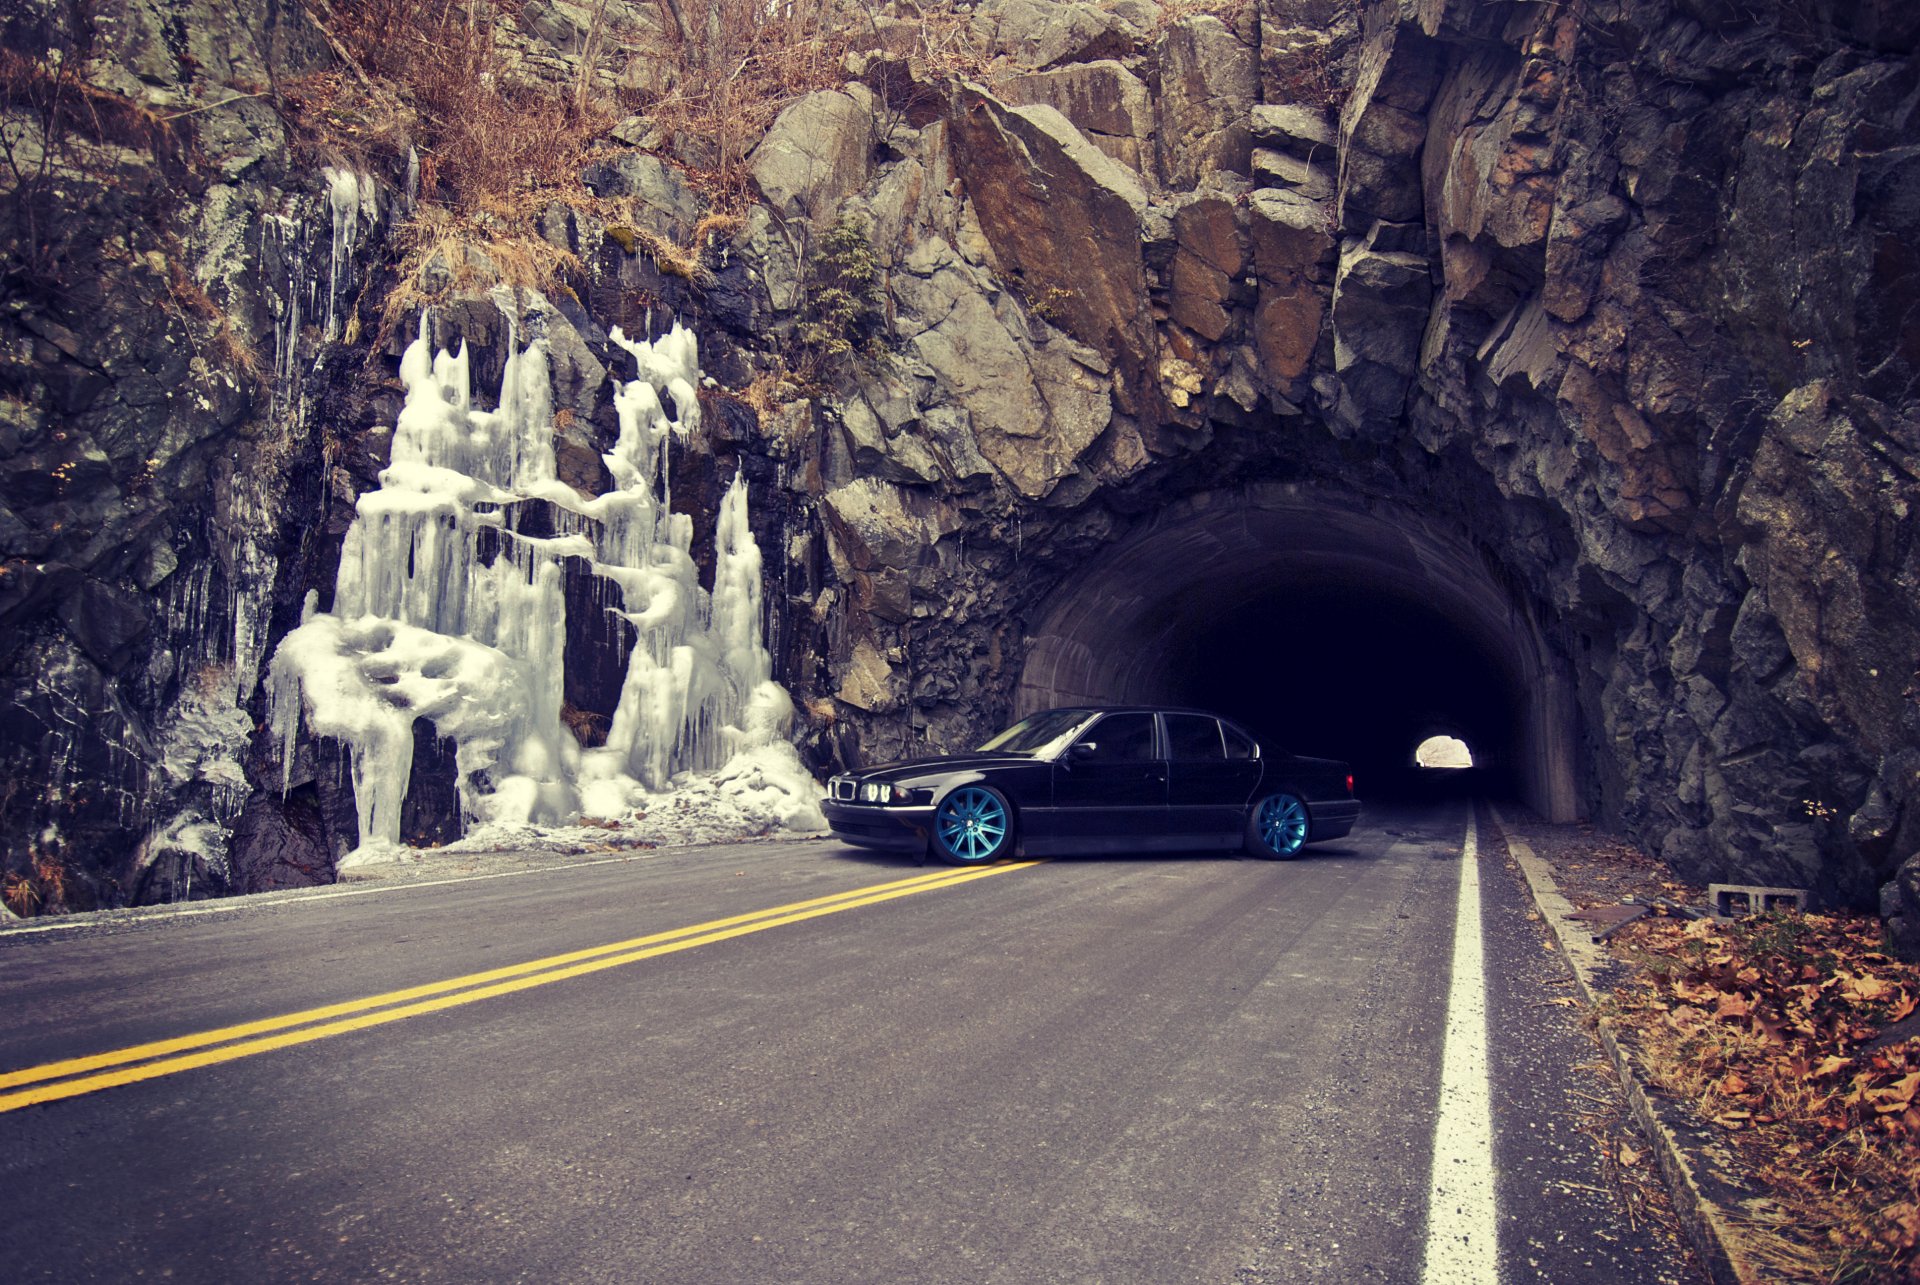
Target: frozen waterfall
x=444 y=610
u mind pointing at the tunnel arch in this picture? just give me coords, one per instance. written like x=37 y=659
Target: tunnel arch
x=1334 y=623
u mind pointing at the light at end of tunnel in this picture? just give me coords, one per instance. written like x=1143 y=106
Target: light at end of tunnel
x=1443 y=752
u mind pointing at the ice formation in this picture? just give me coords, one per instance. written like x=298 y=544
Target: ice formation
x=445 y=610
x=349 y=197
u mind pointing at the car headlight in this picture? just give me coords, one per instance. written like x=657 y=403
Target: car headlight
x=883 y=793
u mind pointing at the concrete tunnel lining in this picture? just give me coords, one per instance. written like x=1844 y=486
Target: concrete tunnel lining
x=1115 y=629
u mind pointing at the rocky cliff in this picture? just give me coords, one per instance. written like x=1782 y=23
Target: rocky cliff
x=1610 y=303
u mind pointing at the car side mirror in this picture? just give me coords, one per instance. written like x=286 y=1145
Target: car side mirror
x=1083 y=749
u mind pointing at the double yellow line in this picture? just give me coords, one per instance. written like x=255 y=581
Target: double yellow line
x=75 y=1076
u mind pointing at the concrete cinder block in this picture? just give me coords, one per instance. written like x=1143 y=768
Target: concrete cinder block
x=1736 y=900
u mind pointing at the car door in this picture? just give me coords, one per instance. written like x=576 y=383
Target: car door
x=1207 y=782
x=1110 y=787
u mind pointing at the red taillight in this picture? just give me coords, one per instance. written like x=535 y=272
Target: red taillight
x=1349 y=783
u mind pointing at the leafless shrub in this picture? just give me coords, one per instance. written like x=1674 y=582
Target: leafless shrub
x=736 y=64
x=435 y=75
x=59 y=136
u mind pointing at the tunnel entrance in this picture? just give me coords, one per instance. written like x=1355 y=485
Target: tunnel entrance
x=1331 y=625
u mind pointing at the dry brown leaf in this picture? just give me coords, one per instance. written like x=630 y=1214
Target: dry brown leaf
x=1869 y=989
x=1900 y=1092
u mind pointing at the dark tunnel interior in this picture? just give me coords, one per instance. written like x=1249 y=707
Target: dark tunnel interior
x=1332 y=626
x=1355 y=673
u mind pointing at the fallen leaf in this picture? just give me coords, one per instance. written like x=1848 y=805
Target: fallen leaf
x=1868 y=989
x=1628 y=1156
x=1903 y=1089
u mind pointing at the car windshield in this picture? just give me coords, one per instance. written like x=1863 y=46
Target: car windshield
x=1039 y=733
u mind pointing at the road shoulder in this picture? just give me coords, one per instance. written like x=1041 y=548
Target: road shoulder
x=1709 y=1194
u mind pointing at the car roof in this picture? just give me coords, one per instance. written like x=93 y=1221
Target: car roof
x=1133 y=709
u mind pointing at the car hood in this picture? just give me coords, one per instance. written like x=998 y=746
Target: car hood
x=942 y=765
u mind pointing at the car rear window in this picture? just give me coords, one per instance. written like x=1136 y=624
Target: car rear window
x=1189 y=736
x=1239 y=744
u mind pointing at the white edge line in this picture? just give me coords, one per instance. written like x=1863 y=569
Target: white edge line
x=261 y=901
x=1463 y=1227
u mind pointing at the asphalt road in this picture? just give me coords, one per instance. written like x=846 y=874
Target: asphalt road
x=1156 y=1070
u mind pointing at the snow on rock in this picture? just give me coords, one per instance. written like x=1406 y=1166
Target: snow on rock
x=424 y=627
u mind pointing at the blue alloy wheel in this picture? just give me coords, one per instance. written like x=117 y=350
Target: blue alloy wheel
x=1278 y=827
x=972 y=826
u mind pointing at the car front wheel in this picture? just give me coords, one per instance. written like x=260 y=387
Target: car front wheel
x=1277 y=827
x=972 y=826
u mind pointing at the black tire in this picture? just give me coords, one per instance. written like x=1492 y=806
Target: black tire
x=1277 y=826
x=973 y=826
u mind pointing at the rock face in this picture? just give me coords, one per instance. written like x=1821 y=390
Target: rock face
x=1621 y=298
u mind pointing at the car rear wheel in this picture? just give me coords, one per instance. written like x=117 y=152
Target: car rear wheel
x=1277 y=827
x=972 y=826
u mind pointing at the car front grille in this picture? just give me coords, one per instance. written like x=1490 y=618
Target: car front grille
x=843 y=789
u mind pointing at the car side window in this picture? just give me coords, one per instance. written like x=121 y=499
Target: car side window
x=1239 y=744
x=1120 y=738
x=1189 y=737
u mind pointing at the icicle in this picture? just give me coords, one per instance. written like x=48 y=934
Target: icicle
x=343 y=200
x=421 y=629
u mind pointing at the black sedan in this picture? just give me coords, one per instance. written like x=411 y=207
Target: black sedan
x=1119 y=779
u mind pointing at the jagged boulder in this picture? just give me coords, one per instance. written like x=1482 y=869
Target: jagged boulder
x=818 y=152
x=1031 y=408
x=1835 y=557
x=1294 y=256
x=1380 y=300
x=1210 y=254
x=1209 y=81
x=1106 y=102
x=1383 y=128
x=1028 y=172
x=1047 y=33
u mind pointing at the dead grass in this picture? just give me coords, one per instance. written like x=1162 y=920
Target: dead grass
x=443 y=257
x=44 y=888
x=589 y=728
x=735 y=65
x=436 y=75
x=231 y=350
x=1772 y=1028
x=433 y=82
x=21 y=894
